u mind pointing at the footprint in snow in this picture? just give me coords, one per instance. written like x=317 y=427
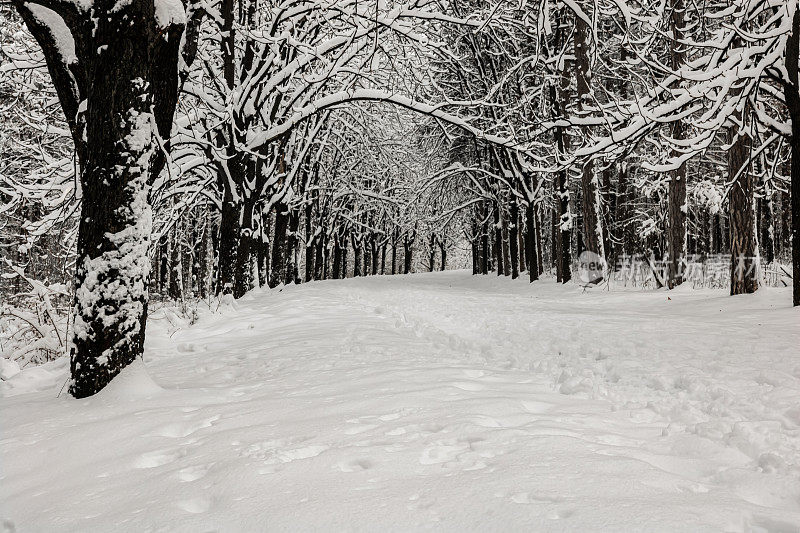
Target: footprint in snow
x=158 y=458
x=193 y=473
x=559 y=514
x=468 y=386
x=442 y=453
x=195 y=505
x=184 y=429
x=355 y=465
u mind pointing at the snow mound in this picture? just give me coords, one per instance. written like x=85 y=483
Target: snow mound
x=133 y=383
x=16 y=381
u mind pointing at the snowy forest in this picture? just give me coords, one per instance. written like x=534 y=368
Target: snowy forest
x=600 y=199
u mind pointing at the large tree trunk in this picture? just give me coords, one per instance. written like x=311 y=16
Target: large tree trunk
x=345 y=248
x=677 y=208
x=292 y=243
x=319 y=257
x=115 y=222
x=263 y=250
x=228 y=246
x=394 y=254
x=243 y=274
x=792 y=97
x=591 y=205
x=561 y=183
x=498 y=239
x=373 y=246
x=176 y=263
x=744 y=268
x=132 y=80
x=337 y=257
x=533 y=258
x=484 y=227
x=432 y=253
x=513 y=238
x=408 y=250
x=278 y=261
x=309 y=247
x=357 y=253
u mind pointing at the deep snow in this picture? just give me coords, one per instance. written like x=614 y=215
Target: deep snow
x=435 y=401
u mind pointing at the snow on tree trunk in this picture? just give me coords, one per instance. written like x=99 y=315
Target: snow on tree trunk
x=591 y=206
x=744 y=266
x=114 y=234
x=792 y=96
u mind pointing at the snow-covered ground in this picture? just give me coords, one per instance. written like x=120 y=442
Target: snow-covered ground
x=435 y=401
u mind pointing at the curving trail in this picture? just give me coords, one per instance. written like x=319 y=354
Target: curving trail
x=426 y=402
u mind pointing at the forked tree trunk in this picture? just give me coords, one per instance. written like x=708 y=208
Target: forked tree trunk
x=129 y=80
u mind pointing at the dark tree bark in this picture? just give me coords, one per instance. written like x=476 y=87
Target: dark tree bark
x=309 y=248
x=484 y=226
x=176 y=281
x=513 y=238
x=523 y=250
x=395 y=238
x=792 y=97
x=408 y=251
x=533 y=258
x=263 y=250
x=345 y=249
x=357 y=253
x=432 y=253
x=243 y=271
x=292 y=243
x=677 y=208
x=498 y=239
x=744 y=275
x=125 y=69
x=373 y=247
x=228 y=245
x=319 y=257
x=562 y=195
x=591 y=209
x=337 y=258
x=278 y=261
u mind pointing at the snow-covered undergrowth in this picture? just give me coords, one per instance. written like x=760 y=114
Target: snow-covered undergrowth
x=437 y=401
x=33 y=323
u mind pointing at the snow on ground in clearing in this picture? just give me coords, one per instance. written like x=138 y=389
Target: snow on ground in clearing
x=436 y=401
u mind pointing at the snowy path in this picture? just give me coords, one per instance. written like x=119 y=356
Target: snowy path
x=441 y=402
